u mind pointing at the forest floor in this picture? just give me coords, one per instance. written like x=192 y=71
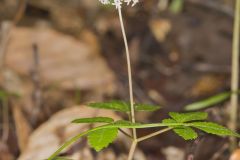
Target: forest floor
x=63 y=54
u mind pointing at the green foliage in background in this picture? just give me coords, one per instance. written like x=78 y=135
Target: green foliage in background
x=210 y=101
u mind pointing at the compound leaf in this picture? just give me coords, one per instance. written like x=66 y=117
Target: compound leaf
x=102 y=136
x=186 y=117
x=100 y=139
x=208 y=102
x=187 y=133
x=213 y=128
x=94 y=120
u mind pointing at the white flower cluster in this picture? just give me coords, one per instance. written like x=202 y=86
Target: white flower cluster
x=118 y=3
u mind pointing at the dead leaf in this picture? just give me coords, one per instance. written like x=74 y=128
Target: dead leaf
x=207 y=84
x=64 y=61
x=88 y=37
x=51 y=134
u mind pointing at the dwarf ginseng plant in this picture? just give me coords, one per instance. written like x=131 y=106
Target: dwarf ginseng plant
x=183 y=124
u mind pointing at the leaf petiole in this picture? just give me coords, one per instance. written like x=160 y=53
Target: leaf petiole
x=153 y=134
x=125 y=133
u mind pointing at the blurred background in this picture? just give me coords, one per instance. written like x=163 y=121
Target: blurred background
x=58 y=55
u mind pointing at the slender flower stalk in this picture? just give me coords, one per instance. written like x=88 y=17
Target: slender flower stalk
x=129 y=71
x=134 y=143
x=118 y=4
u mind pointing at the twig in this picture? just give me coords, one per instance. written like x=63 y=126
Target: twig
x=129 y=72
x=235 y=76
x=37 y=93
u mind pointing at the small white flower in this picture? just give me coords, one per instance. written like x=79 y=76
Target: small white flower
x=118 y=3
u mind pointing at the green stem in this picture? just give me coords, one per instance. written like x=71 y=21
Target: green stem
x=153 y=134
x=235 y=72
x=125 y=133
x=68 y=143
x=135 y=142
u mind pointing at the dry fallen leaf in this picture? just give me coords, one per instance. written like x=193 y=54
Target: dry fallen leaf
x=64 y=60
x=51 y=134
x=207 y=84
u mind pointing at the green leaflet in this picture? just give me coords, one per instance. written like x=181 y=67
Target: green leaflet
x=122 y=106
x=146 y=107
x=102 y=138
x=187 y=133
x=186 y=117
x=208 y=102
x=113 y=105
x=168 y=121
x=213 y=128
x=94 y=120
